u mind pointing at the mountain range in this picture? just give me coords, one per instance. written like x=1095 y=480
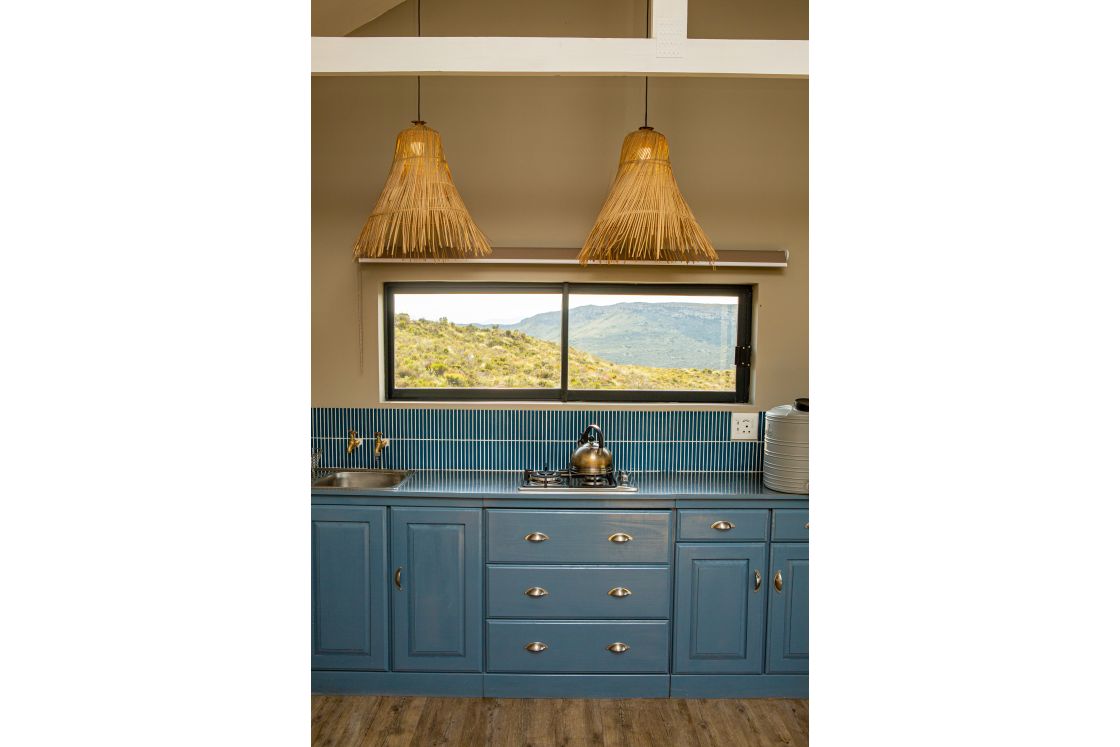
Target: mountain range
x=674 y=335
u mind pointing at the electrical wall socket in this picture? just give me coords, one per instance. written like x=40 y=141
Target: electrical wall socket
x=744 y=426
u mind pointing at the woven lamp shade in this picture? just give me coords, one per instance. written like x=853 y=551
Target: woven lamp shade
x=420 y=214
x=645 y=217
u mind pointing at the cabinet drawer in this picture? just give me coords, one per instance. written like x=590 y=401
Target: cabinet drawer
x=790 y=525
x=746 y=525
x=577 y=646
x=577 y=536
x=577 y=591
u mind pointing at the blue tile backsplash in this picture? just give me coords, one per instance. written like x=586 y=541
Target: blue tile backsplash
x=423 y=438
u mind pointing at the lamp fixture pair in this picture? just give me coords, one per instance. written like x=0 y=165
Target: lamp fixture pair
x=420 y=214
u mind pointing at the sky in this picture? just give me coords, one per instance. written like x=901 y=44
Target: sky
x=507 y=308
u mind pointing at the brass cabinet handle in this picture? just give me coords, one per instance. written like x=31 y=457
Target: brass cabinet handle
x=806 y=525
x=397 y=578
x=618 y=648
x=620 y=591
x=723 y=526
x=620 y=537
x=536 y=537
x=535 y=647
x=536 y=592
x=778 y=581
x=757 y=579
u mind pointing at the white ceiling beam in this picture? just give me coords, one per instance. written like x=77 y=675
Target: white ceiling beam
x=669 y=54
x=669 y=27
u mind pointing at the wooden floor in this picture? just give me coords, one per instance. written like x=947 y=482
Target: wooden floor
x=344 y=720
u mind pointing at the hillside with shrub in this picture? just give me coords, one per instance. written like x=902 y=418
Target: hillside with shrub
x=701 y=335
x=441 y=354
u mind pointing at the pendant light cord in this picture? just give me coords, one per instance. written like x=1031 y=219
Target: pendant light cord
x=418 y=77
x=645 y=117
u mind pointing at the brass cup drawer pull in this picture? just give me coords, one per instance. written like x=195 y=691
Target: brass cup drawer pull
x=536 y=592
x=778 y=581
x=757 y=579
x=620 y=591
x=536 y=537
x=397 y=578
x=535 y=647
x=618 y=648
x=723 y=526
x=620 y=537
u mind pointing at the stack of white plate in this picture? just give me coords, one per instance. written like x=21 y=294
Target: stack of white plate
x=785 y=449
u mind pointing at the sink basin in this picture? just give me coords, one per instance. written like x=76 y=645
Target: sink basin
x=380 y=479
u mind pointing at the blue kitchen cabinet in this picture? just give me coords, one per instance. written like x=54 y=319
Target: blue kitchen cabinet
x=437 y=594
x=719 y=611
x=788 y=636
x=349 y=588
x=560 y=600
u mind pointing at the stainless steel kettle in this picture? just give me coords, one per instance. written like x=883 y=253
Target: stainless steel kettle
x=592 y=457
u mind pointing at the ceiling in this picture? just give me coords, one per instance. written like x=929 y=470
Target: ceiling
x=340 y=17
x=707 y=19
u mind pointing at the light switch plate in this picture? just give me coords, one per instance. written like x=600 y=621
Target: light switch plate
x=744 y=426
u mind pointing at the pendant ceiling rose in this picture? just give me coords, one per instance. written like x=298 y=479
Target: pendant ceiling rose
x=420 y=214
x=645 y=217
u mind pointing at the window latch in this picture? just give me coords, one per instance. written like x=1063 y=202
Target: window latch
x=743 y=355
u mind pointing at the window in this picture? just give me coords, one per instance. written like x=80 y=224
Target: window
x=567 y=341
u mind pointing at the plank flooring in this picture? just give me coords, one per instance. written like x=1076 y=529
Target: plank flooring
x=392 y=721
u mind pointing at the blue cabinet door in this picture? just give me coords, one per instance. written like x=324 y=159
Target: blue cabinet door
x=349 y=588
x=788 y=644
x=437 y=594
x=720 y=608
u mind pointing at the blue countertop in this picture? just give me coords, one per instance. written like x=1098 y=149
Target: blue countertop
x=502 y=486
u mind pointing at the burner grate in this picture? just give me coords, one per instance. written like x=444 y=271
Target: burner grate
x=565 y=480
x=545 y=477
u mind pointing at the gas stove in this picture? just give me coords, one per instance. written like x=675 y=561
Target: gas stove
x=565 y=481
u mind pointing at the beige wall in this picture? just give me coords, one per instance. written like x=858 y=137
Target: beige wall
x=707 y=19
x=533 y=158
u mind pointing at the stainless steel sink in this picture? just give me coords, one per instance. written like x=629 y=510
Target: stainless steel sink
x=379 y=479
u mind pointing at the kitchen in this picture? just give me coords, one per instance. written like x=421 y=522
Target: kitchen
x=558 y=481
x=529 y=479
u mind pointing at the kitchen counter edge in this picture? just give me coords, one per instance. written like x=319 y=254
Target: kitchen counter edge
x=501 y=487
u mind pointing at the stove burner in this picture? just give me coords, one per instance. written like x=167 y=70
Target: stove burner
x=566 y=481
x=544 y=477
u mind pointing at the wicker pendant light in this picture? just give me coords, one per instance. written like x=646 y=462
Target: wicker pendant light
x=645 y=217
x=420 y=214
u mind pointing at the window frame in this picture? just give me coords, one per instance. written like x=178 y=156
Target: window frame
x=743 y=349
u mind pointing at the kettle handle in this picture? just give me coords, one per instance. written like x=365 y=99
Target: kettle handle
x=584 y=438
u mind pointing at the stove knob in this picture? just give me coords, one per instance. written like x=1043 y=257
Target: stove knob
x=623 y=478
